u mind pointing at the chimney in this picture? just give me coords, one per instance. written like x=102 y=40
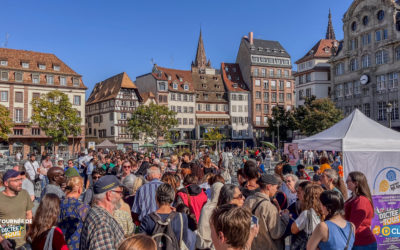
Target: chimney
x=251 y=37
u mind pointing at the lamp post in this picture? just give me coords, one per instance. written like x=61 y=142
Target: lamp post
x=389 y=113
x=277 y=124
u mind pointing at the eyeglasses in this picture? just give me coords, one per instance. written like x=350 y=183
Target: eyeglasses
x=96 y=177
x=240 y=196
x=118 y=192
x=127 y=166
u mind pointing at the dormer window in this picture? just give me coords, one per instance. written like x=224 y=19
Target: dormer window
x=25 y=65
x=169 y=78
x=56 y=67
x=42 y=66
x=229 y=77
x=175 y=85
x=3 y=62
x=235 y=85
x=202 y=77
x=234 y=69
x=204 y=86
x=180 y=79
x=215 y=78
x=260 y=48
x=186 y=87
x=75 y=81
x=226 y=69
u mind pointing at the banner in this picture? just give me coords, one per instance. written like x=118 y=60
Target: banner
x=292 y=151
x=386 y=223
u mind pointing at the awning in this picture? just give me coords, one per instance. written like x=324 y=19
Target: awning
x=221 y=116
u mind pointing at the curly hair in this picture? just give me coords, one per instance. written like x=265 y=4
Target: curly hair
x=311 y=199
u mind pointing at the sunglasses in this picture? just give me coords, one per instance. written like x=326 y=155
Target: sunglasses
x=127 y=166
x=240 y=196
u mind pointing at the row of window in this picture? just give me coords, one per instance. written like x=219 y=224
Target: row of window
x=380 y=35
x=212 y=107
x=184 y=121
x=381 y=115
x=181 y=97
x=270 y=60
x=184 y=109
x=240 y=108
x=99 y=118
x=240 y=120
x=240 y=133
x=163 y=86
x=308 y=93
x=35 y=78
x=239 y=97
x=20 y=131
x=380 y=15
x=26 y=65
x=102 y=132
x=19 y=97
x=273 y=96
x=272 y=83
x=262 y=72
x=19 y=115
x=206 y=95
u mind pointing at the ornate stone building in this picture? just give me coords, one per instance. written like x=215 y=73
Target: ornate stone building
x=365 y=70
x=109 y=108
x=25 y=75
x=313 y=69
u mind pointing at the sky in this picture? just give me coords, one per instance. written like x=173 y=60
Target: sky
x=102 y=38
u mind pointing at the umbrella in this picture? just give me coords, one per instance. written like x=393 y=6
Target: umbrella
x=167 y=145
x=147 y=145
x=203 y=146
x=181 y=144
x=268 y=144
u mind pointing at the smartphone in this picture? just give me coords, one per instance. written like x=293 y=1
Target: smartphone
x=254 y=221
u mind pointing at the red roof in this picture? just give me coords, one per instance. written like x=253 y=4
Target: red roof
x=323 y=49
x=181 y=77
x=232 y=77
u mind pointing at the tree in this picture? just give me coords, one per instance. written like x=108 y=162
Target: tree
x=317 y=115
x=54 y=114
x=284 y=119
x=152 y=121
x=213 y=135
x=5 y=123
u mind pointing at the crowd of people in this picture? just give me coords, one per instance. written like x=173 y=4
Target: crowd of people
x=137 y=200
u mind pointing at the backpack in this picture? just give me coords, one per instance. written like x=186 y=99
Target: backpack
x=163 y=234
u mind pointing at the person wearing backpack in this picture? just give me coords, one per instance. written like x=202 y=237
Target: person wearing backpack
x=168 y=228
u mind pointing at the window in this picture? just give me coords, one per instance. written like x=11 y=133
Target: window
x=233 y=97
x=18 y=76
x=266 y=85
x=258 y=120
x=191 y=110
x=378 y=36
x=286 y=73
x=77 y=100
x=179 y=109
x=35 y=78
x=240 y=108
x=179 y=97
x=308 y=92
x=185 y=121
x=381 y=57
x=339 y=69
x=353 y=44
x=366 y=39
x=397 y=52
x=18 y=115
x=271 y=72
x=205 y=96
x=255 y=72
x=395 y=110
x=357 y=87
x=112 y=130
x=186 y=87
x=348 y=89
x=365 y=20
x=226 y=107
x=392 y=80
x=365 y=61
x=301 y=94
x=216 y=107
x=3 y=62
x=42 y=66
x=18 y=131
x=380 y=15
x=219 y=96
x=185 y=97
x=273 y=97
x=94 y=132
x=281 y=97
x=162 y=86
x=50 y=79
x=266 y=96
x=354 y=26
x=385 y=34
x=35 y=131
x=175 y=86
x=4 y=96
x=208 y=107
x=199 y=107
x=258 y=95
x=190 y=121
x=35 y=95
x=257 y=82
x=56 y=67
x=258 y=107
x=353 y=64
x=233 y=108
x=4 y=75
x=266 y=109
x=380 y=82
x=288 y=85
x=25 y=65
x=263 y=72
x=278 y=73
x=123 y=116
x=273 y=85
x=63 y=81
x=190 y=98
x=19 y=97
x=381 y=111
x=289 y=97
x=281 y=85
x=75 y=82
x=367 y=109
x=111 y=116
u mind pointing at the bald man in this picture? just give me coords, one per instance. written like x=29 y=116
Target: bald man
x=56 y=179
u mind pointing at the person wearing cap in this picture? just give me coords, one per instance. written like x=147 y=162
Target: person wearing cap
x=100 y=230
x=272 y=225
x=15 y=209
x=60 y=163
x=27 y=185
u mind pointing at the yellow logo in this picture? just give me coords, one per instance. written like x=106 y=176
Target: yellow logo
x=385 y=231
x=384 y=186
x=377 y=230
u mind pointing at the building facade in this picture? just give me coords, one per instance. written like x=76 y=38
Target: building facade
x=365 y=69
x=25 y=75
x=267 y=70
x=108 y=109
x=212 y=105
x=313 y=76
x=175 y=89
x=239 y=102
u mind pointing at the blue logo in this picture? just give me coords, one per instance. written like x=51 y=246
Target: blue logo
x=391 y=175
x=391 y=231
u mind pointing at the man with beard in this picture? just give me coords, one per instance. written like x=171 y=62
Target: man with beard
x=56 y=178
x=15 y=211
x=101 y=230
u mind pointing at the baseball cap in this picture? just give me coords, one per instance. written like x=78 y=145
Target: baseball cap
x=269 y=179
x=11 y=173
x=106 y=183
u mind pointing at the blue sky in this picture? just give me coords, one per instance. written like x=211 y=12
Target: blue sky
x=99 y=38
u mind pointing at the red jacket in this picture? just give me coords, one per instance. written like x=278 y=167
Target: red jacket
x=197 y=199
x=360 y=212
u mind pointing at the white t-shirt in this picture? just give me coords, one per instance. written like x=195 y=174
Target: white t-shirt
x=302 y=220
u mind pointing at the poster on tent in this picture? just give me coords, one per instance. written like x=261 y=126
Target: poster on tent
x=292 y=151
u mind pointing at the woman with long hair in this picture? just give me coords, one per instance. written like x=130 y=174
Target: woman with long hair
x=359 y=210
x=208 y=166
x=73 y=212
x=43 y=231
x=230 y=194
x=335 y=232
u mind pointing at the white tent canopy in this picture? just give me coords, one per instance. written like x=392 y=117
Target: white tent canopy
x=356 y=132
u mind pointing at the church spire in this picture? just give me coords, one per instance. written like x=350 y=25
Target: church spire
x=201 y=60
x=330 y=33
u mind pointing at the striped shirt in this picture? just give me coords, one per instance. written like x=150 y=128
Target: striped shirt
x=145 y=199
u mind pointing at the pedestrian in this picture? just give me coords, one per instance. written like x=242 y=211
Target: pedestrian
x=252 y=174
x=272 y=225
x=44 y=233
x=32 y=168
x=108 y=166
x=288 y=188
x=166 y=220
x=56 y=178
x=359 y=210
x=145 y=202
x=301 y=173
x=260 y=165
x=230 y=194
x=324 y=164
x=27 y=185
x=138 y=242
x=126 y=170
x=123 y=216
x=296 y=208
x=331 y=181
x=15 y=204
x=73 y=212
x=60 y=163
x=100 y=230
x=88 y=195
x=335 y=232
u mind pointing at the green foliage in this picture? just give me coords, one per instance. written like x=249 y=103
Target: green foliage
x=152 y=121
x=5 y=123
x=212 y=134
x=285 y=119
x=54 y=114
x=317 y=115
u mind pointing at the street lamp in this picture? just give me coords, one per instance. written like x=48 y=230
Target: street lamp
x=389 y=113
x=277 y=124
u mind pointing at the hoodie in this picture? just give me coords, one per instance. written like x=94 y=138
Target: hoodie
x=196 y=196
